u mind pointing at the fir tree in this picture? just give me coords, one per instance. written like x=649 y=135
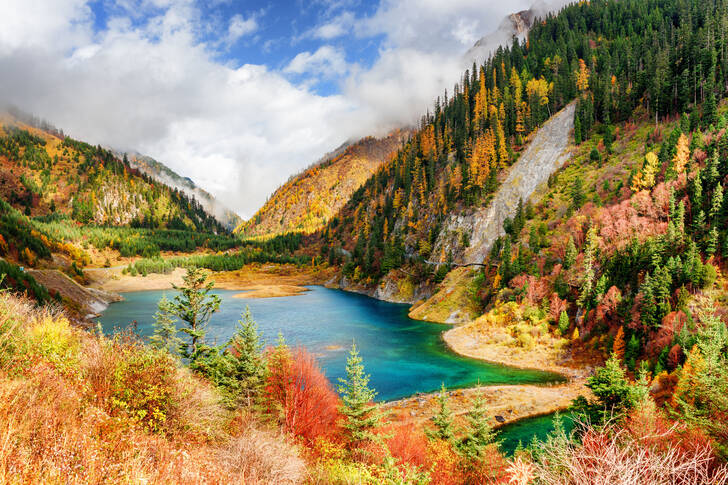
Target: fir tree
x=245 y=353
x=165 y=329
x=443 y=419
x=564 y=323
x=570 y=253
x=363 y=417
x=194 y=306
x=478 y=433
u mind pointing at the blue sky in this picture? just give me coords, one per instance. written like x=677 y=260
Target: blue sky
x=274 y=33
x=237 y=95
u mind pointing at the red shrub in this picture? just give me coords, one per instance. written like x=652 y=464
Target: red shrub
x=308 y=404
x=556 y=306
x=408 y=444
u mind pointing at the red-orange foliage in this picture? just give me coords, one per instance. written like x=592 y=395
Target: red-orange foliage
x=308 y=404
x=490 y=468
x=408 y=444
x=606 y=310
x=672 y=323
x=556 y=306
x=674 y=357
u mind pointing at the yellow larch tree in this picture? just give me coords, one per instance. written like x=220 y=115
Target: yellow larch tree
x=582 y=76
x=682 y=155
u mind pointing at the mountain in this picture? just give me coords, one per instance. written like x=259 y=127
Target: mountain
x=308 y=200
x=516 y=25
x=44 y=173
x=160 y=172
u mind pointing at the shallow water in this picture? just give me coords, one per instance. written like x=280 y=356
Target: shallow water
x=403 y=356
x=524 y=431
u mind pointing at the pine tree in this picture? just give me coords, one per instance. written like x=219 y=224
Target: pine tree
x=577 y=131
x=165 y=329
x=363 y=417
x=564 y=323
x=570 y=253
x=442 y=420
x=632 y=351
x=245 y=353
x=587 y=286
x=711 y=245
x=194 y=306
x=478 y=433
x=716 y=203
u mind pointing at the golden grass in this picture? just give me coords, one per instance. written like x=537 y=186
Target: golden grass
x=80 y=408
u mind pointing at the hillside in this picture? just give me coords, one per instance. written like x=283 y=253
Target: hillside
x=42 y=173
x=308 y=200
x=466 y=147
x=161 y=173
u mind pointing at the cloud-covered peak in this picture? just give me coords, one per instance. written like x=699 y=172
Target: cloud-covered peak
x=189 y=82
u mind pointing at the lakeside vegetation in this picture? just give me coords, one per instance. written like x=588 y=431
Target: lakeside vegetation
x=279 y=250
x=264 y=415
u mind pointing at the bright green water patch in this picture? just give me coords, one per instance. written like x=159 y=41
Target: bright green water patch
x=403 y=356
x=526 y=430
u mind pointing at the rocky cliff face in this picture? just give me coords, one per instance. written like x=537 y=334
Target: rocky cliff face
x=547 y=152
x=515 y=25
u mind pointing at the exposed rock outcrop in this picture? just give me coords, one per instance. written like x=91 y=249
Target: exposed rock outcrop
x=547 y=153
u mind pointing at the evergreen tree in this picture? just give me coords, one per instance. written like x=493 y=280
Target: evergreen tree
x=564 y=323
x=577 y=131
x=443 y=419
x=194 y=306
x=478 y=433
x=570 y=253
x=248 y=365
x=363 y=417
x=165 y=328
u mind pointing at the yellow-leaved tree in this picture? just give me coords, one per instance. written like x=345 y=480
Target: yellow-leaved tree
x=682 y=155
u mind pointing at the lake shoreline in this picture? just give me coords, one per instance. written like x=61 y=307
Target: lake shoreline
x=510 y=403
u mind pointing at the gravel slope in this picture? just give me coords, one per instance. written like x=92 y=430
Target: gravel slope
x=547 y=152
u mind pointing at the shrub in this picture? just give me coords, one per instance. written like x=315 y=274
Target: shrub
x=301 y=396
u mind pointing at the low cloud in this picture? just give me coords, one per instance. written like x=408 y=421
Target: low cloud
x=153 y=85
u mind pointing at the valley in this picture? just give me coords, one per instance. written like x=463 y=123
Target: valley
x=549 y=236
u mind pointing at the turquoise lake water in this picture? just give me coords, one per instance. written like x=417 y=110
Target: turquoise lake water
x=526 y=430
x=403 y=356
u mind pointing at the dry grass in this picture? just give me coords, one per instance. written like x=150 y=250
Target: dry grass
x=79 y=408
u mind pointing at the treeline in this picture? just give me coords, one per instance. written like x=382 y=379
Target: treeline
x=665 y=56
x=280 y=249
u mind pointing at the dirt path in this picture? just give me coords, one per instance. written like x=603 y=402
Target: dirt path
x=546 y=153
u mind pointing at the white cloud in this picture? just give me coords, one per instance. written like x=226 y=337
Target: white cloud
x=240 y=27
x=336 y=27
x=326 y=61
x=151 y=84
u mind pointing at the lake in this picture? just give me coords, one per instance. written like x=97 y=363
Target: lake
x=403 y=356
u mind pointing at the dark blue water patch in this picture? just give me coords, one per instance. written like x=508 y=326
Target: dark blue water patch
x=403 y=356
x=525 y=431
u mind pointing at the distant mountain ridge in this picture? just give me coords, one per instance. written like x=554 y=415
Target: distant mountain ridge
x=308 y=200
x=167 y=176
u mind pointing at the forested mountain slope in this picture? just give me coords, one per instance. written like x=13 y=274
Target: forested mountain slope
x=42 y=173
x=161 y=173
x=308 y=200
x=659 y=56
